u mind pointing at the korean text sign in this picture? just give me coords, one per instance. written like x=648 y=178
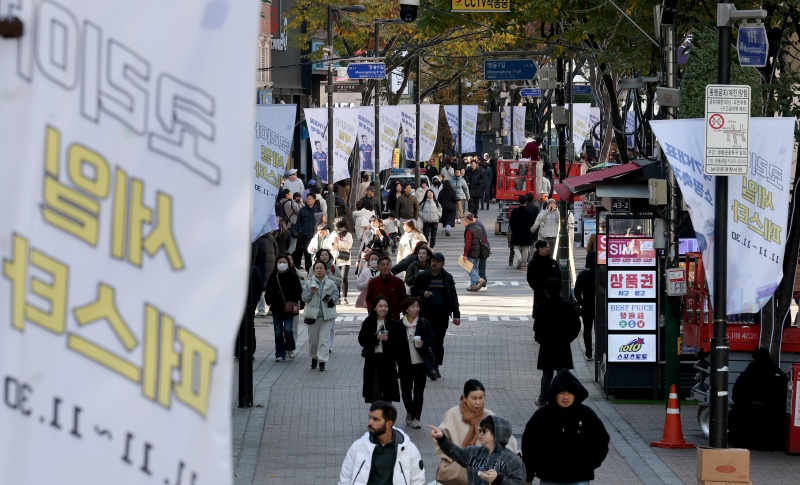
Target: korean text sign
x=126 y=194
x=757 y=205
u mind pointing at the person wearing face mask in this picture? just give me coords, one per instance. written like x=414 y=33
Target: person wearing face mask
x=320 y=296
x=380 y=375
x=283 y=286
x=436 y=186
x=367 y=271
x=461 y=424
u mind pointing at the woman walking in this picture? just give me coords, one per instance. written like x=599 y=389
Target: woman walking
x=411 y=339
x=283 y=294
x=447 y=199
x=394 y=194
x=341 y=242
x=325 y=256
x=461 y=425
x=367 y=271
x=320 y=296
x=380 y=376
x=430 y=212
x=420 y=264
x=548 y=223
x=376 y=238
x=411 y=236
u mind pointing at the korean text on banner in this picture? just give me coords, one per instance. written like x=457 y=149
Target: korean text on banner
x=429 y=128
x=345 y=129
x=518 y=115
x=451 y=115
x=758 y=205
x=469 y=126
x=408 y=116
x=317 y=122
x=594 y=119
x=366 y=138
x=390 y=130
x=126 y=196
x=274 y=128
x=581 y=124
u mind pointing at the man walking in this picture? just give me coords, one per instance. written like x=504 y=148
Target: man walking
x=437 y=292
x=584 y=294
x=389 y=286
x=487 y=182
x=541 y=267
x=307 y=225
x=475 y=248
x=407 y=207
x=519 y=224
x=462 y=192
x=385 y=455
x=556 y=324
x=474 y=176
x=294 y=184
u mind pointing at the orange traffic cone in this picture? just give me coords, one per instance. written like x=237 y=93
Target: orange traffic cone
x=673 y=433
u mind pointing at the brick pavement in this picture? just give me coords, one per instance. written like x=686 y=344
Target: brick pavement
x=304 y=421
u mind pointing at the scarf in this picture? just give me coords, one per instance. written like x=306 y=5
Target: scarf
x=472 y=418
x=411 y=327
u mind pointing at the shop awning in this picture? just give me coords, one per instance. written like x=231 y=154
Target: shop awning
x=586 y=182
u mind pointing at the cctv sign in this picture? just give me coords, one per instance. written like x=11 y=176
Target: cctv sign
x=490 y=6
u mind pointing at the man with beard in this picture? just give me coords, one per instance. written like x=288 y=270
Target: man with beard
x=384 y=455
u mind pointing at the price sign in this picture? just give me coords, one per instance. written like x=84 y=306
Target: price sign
x=676 y=282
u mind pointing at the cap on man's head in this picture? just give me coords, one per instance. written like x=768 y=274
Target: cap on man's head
x=370 y=188
x=486 y=156
x=438 y=256
x=312 y=182
x=292 y=171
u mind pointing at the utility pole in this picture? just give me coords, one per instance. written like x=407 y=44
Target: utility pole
x=460 y=123
x=561 y=128
x=377 y=148
x=417 y=96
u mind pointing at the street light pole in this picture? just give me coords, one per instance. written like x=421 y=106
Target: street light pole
x=460 y=124
x=377 y=148
x=417 y=95
x=331 y=197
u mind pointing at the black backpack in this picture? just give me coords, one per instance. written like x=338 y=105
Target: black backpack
x=279 y=212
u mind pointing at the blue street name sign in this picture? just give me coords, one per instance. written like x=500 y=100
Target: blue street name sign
x=581 y=89
x=509 y=70
x=366 y=70
x=752 y=46
x=530 y=92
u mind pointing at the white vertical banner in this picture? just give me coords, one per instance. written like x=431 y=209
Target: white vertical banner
x=514 y=120
x=469 y=127
x=429 y=129
x=390 y=130
x=594 y=119
x=127 y=194
x=630 y=127
x=366 y=138
x=408 y=114
x=317 y=122
x=757 y=205
x=451 y=115
x=580 y=124
x=273 y=143
x=345 y=130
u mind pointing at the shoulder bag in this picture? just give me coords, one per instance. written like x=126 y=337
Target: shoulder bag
x=289 y=307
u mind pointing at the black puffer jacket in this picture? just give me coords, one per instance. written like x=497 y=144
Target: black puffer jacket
x=540 y=269
x=564 y=444
x=555 y=326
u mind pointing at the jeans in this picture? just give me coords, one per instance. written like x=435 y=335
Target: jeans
x=292 y=244
x=318 y=334
x=482 y=268
x=474 y=275
x=429 y=231
x=284 y=334
x=416 y=383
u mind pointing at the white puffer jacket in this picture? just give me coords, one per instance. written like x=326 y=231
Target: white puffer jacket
x=326 y=287
x=548 y=223
x=408 y=468
x=430 y=211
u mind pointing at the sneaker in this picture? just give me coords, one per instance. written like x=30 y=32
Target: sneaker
x=480 y=284
x=261 y=314
x=483 y=289
x=519 y=264
x=279 y=359
x=269 y=313
x=473 y=288
x=416 y=424
x=539 y=403
x=511 y=262
x=322 y=366
x=438 y=374
x=292 y=354
x=344 y=301
x=409 y=419
x=447 y=233
x=313 y=363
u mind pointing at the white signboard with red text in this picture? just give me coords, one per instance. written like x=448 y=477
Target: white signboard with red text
x=631 y=284
x=628 y=347
x=632 y=317
x=631 y=252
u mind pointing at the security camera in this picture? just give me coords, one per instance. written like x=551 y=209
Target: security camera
x=408 y=10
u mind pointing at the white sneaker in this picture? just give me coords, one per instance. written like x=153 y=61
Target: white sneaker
x=279 y=359
x=409 y=420
x=416 y=424
x=292 y=354
x=261 y=314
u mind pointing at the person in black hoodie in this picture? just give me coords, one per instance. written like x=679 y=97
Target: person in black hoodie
x=490 y=463
x=541 y=267
x=584 y=295
x=565 y=441
x=555 y=326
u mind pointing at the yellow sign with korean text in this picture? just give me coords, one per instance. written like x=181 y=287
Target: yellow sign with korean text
x=490 y=6
x=125 y=203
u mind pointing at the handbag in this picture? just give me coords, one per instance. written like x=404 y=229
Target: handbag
x=294 y=231
x=484 y=252
x=343 y=255
x=289 y=307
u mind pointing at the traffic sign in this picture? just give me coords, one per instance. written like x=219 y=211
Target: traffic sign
x=366 y=70
x=509 y=69
x=581 y=89
x=530 y=93
x=676 y=282
x=727 y=141
x=752 y=45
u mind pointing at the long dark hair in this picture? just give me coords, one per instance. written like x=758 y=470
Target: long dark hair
x=282 y=195
x=372 y=312
x=425 y=199
x=447 y=190
x=340 y=225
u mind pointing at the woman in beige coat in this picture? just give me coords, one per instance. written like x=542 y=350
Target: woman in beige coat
x=461 y=425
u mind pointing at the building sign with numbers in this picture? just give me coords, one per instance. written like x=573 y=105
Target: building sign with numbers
x=121 y=207
x=727 y=129
x=487 y=6
x=631 y=284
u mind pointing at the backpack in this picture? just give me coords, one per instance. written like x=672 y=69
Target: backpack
x=280 y=213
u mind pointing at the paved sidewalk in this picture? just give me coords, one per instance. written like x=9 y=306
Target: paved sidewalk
x=304 y=421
